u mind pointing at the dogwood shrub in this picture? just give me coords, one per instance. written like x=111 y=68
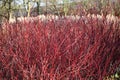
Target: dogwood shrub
x=85 y=48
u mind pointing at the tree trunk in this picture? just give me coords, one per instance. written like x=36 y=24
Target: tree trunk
x=38 y=6
x=9 y=9
x=29 y=10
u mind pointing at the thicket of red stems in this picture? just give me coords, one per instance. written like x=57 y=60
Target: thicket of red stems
x=63 y=49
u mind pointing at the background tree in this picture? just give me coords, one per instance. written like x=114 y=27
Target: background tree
x=38 y=6
x=27 y=6
x=54 y=6
x=7 y=7
x=65 y=6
